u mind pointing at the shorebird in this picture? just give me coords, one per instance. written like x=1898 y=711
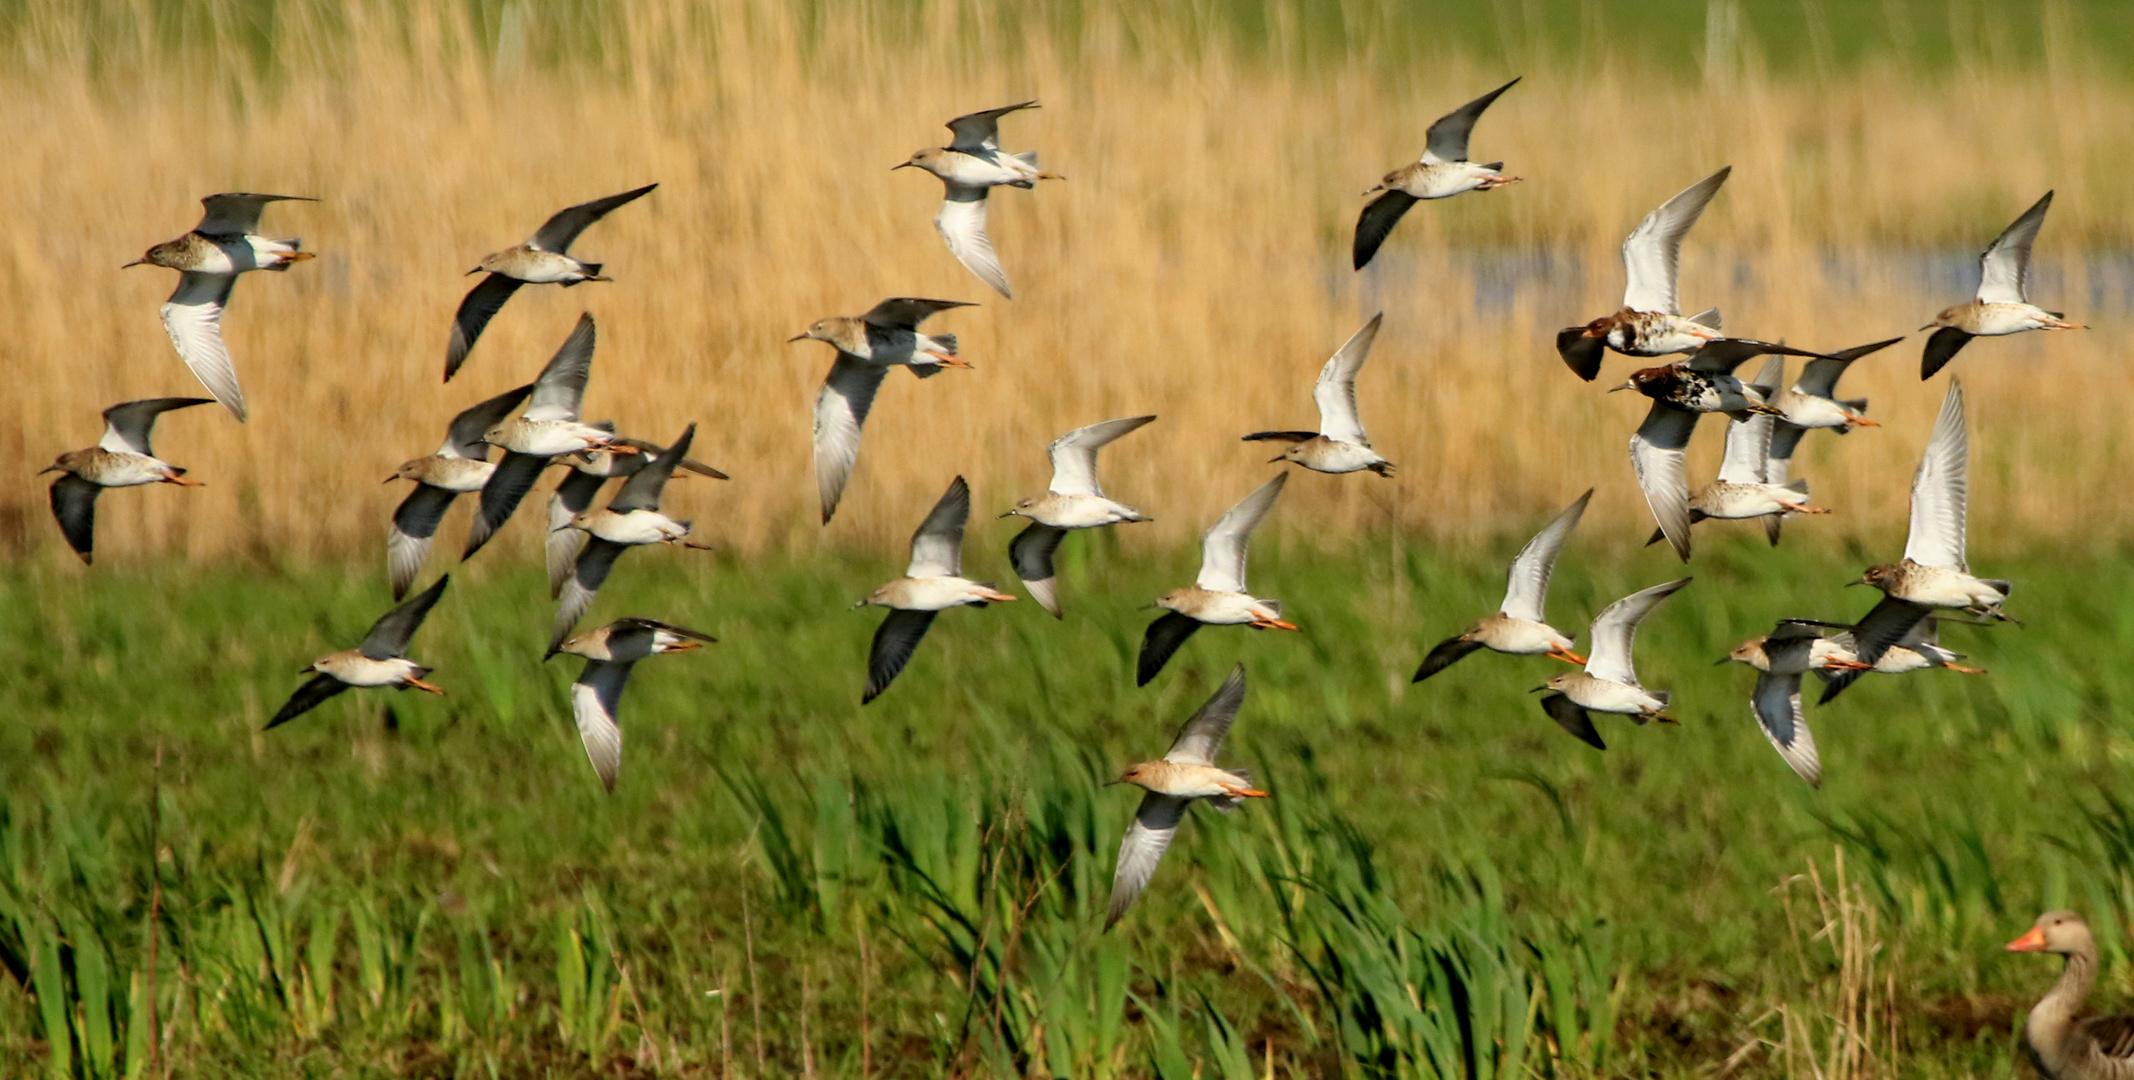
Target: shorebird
x=2061 y=1046
x=1916 y=651
x=208 y=260
x=576 y=493
x=1934 y=572
x=1650 y=322
x=631 y=519
x=596 y=698
x=971 y=165
x=459 y=466
x=1074 y=500
x=379 y=661
x=1609 y=683
x=1218 y=597
x=1809 y=403
x=867 y=347
x=547 y=430
x=541 y=260
x=1520 y=627
x=1792 y=649
x=2003 y=303
x=1442 y=172
x=933 y=584
x=122 y=458
x=1186 y=774
x=1743 y=488
x=1340 y=445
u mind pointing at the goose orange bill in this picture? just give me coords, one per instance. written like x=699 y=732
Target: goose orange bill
x=2033 y=941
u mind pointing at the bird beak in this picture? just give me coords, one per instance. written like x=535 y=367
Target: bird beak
x=2034 y=941
x=1274 y=459
x=136 y=262
x=1007 y=514
x=1628 y=384
x=306 y=669
x=1539 y=689
x=859 y=604
x=390 y=479
x=900 y=165
x=48 y=468
x=472 y=272
x=1930 y=326
x=796 y=337
x=1721 y=660
x=1850 y=584
x=1374 y=189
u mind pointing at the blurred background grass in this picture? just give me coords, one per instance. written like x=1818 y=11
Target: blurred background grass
x=787 y=884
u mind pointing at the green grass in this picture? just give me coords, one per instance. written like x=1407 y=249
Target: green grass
x=1443 y=883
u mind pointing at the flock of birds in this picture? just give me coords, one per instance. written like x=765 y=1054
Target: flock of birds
x=538 y=425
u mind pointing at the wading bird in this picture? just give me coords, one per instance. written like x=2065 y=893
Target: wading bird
x=541 y=260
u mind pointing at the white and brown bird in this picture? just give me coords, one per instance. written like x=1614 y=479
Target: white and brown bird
x=867 y=347
x=458 y=467
x=1792 y=649
x=631 y=519
x=1442 y=172
x=1609 y=682
x=2063 y=1044
x=208 y=260
x=1743 y=488
x=122 y=458
x=1074 y=500
x=1934 y=572
x=1811 y=403
x=380 y=661
x=2002 y=305
x=1520 y=626
x=1650 y=322
x=969 y=167
x=1185 y=775
x=576 y=494
x=932 y=584
x=1218 y=597
x=1340 y=445
x=596 y=698
x=548 y=429
x=543 y=259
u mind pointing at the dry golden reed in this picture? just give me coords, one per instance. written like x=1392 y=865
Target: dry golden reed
x=1193 y=265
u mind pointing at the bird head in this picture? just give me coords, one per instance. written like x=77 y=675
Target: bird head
x=2055 y=932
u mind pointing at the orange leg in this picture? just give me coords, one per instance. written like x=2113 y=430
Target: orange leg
x=1804 y=508
x=949 y=361
x=417 y=684
x=181 y=481
x=1273 y=624
x=1567 y=656
x=1965 y=670
x=1244 y=792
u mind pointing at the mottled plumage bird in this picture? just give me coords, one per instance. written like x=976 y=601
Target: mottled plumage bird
x=122 y=458
x=596 y=698
x=971 y=165
x=379 y=661
x=541 y=260
x=2002 y=305
x=867 y=347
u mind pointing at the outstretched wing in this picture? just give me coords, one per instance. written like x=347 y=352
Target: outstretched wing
x=1335 y=392
x=389 y=636
x=464 y=438
x=583 y=587
x=1654 y=248
x=1820 y=377
x=1940 y=491
x=1616 y=629
x=1448 y=137
x=501 y=494
x=480 y=305
x=1889 y=623
x=1572 y=717
x=1074 y=455
x=1143 y=847
x=235 y=213
x=596 y=701
x=1031 y=551
x=1447 y=653
x=1160 y=642
x=1528 y=590
x=307 y=697
x=840 y=411
x=961 y=222
x=2004 y=267
x=980 y=131
x=407 y=539
x=894 y=642
x=561 y=385
x=642 y=490
x=1658 y=453
x=193 y=319
x=559 y=232
x=74 y=505
x=1222 y=550
x=937 y=547
x=907 y=312
x=1376 y=223
x=1202 y=736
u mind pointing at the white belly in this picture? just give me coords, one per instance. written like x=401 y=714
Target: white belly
x=993 y=170
x=131 y=470
x=1804 y=410
x=1522 y=637
x=1082 y=512
x=1737 y=501
x=1231 y=609
x=937 y=594
x=356 y=669
x=1600 y=695
x=1328 y=456
x=550 y=438
x=636 y=527
x=1994 y=320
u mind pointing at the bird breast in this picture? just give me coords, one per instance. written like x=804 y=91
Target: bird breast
x=450 y=473
x=534 y=266
x=1937 y=586
x=1184 y=781
x=1656 y=333
x=1721 y=499
x=1440 y=181
x=1602 y=695
x=1520 y=637
x=1218 y=608
x=928 y=594
x=109 y=468
x=356 y=669
x=1321 y=454
x=1810 y=411
x=972 y=170
x=1078 y=511
x=1991 y=320
x=633 y=527
x=545 y=438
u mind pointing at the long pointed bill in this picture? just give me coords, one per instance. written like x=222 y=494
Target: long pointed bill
x=796 y=337
x=900 y=165
x=2034 y=941
x=136 y=262
x=1631 y=385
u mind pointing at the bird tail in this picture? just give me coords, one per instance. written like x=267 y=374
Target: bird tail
x=1227 y=803
x=944 y=342
x=1799 y=486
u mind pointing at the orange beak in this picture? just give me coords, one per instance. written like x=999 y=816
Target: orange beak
x=2034 y=941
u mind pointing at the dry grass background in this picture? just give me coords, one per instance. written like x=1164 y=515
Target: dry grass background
x=1194 y=265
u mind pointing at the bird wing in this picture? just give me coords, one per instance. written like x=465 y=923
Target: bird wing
x=1582 y=354
x=583 y=586
x=1658 y=453
x=1447 y=653
x=464 y=438
x=1942 y=347
x=1142 y=848
x=1653 y=249
x=193 y=319
x=907 y=312
x=596 y=700
x=560 y=389
x=127 y=426
x=2113 y=1035
x=1335 y=392
x=1820 y=377
x=1572 y=717
x=307 y=697
x=1074 y=455
x=1160 y=642
x=642 y=490
x=1748 y=444
x=1777 y=705
x=74 y=506
x=1222 y=550
x=559 y=232
x=506 y=487
x=1202 y=736
x=1528 y=589
x=961 y=222
x=1448 y=137
x=937 y=548
x=389 y=636
x=1778 y=459
x=840 y=410
x=480 y=305
x=235 y=213
x=1888 y=624
x=1939 y=490
x=894 y=642
x=407 y=539
x=572 y=497
x=980 y=131
x=2004 y=267
x=1376 y=223
x=1031 y=552
x=1616 y=629
x=1723 y=356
